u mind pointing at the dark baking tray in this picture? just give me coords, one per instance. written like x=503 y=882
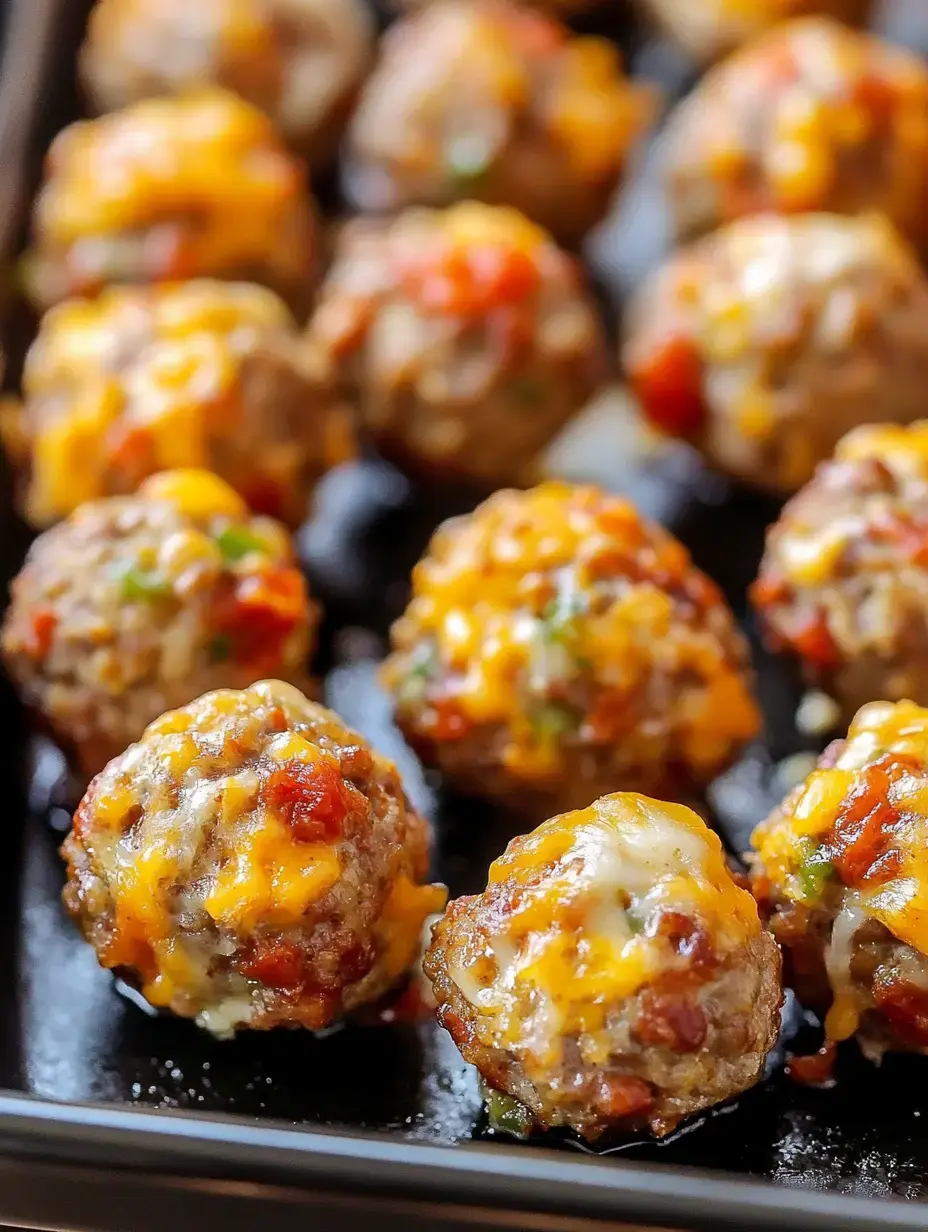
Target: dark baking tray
x=111 y=1119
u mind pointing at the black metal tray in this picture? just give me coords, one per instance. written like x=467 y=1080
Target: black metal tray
x=112 y=1119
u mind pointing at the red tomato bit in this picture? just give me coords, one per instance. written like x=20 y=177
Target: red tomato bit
x=312 y=798
x=621 y=1095
x=668 y=383
x=257 y=612
x=42 y=625
x=276 y=963
x=863 y=830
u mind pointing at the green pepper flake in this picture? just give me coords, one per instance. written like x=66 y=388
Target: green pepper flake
x=506 y=1114
x=552 y=720
x=143 y=584
x=468 y=157
x=814 y=874
x=560 y=615
x=220 y=648
x=237 y=541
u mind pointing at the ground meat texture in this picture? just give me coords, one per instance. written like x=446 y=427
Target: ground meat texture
x=203 y=374
x=486 y=100
x=171 y=189
x=767 y=341
x=466 y=337
x=612 y=975
x=136 y=604
x=843 y=583
x=810 y=116
x=251 y=862
x=711 y=28
x=840 y=868
x=300 y=61
x=557 y=646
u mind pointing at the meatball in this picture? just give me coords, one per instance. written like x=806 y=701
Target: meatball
x=171 y=189
x=483 y=99
x=810 y=116
x=612 y=975
x=138 y=603
x=467 y=337
x=251 y=862
x=841 y=868
x=202 y=374
x=710 y=28
x=300 y=61
x=767 y=341
x=843 y=583
x=558 y=646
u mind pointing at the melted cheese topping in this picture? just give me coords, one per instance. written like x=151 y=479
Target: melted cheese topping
x=579 y=934
x=539 y=590
x=139 y=381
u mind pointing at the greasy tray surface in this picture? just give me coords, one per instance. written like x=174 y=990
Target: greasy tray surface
x=67 y=1034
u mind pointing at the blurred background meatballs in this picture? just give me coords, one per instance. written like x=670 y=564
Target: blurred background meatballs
x=300 y=61
x=136 y=604
x=611 y=976
x=202 y=374
x=169 y=189
x=488 y=100
x=251 y=863
x=766 y=341
x=465 y=337
x=556 y=645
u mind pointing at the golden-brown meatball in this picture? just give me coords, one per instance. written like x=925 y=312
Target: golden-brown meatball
x=810 y=116
x=843 y=584
x=139 y=603
x=170 y=189
x=300 y=61
x=557 y=646
x=612 y=975
x=487 y=100
x=710 y=28
x=466 y=336
x=203 y=374
x=251 y=862
x=767 y=341
x=841 y=867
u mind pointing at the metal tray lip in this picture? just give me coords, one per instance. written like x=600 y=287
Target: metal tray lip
x=180 y=1142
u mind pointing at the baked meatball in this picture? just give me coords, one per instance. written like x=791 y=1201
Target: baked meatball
x=810 y=116
x=301 y=61
x=139 y=603
x=171 y=189
x=466 y=336
x=843 y=583
x=251 y=862
x=558 y=646
x=612 y=975
x=202 y=374
x=707 y=29
x=841 y=868
x=487 y=100
x=767 y=341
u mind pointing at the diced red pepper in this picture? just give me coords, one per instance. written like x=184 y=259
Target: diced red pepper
x=668 y=383
x=41 y=632
x=470 y=281
x=276 y=963
x=312 y=798
x=862 y=832
x=258 y=611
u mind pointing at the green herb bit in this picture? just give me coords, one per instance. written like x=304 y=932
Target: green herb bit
x=143 y=584
x=507 y=1115
x=553 y=720
x=468 y=158
x=236 y=542
x=560 y=615
x=424 y=667
x=220 y=648
x=814 y=874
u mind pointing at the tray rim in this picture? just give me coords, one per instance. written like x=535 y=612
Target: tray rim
x=536 y=1181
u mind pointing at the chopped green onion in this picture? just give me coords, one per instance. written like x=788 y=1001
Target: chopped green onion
x=560 y=615
x=553 y=720
x=814 y=874
x=143 y=584
x=468 y=157
x=424 y=667
x=507 y=1115
x=237 y=541
x=220 y=648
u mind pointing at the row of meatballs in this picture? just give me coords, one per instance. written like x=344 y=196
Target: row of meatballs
x=458 y=333
x=250 y=862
